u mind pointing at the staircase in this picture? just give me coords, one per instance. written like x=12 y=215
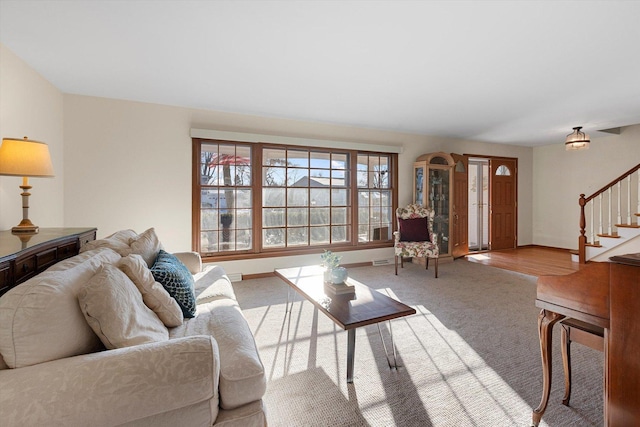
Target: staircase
x=610 y=219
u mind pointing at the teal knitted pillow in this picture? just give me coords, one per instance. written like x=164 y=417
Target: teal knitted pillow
x=174 y=276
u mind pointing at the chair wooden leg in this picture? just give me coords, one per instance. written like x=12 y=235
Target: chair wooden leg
x=396 y=265
x=401 y=261
x=583 y=333
x=436 y=268
x=565 y=340
x=427 y=263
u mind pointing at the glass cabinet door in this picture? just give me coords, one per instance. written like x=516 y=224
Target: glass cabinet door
x=439 y=183
x=433 y=186
x=418 y=183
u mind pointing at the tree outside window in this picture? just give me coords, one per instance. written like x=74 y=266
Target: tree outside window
x=305 y=198
x=226 y=220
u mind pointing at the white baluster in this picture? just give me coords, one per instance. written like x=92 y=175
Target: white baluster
x=610 y=230
x=592 y=220
x=600 y=214
x=619 y=197
x=629 y=200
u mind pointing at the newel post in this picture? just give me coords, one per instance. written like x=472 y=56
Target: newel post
x=582 y=240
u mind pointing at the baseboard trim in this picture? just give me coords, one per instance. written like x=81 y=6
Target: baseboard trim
x=272 y=274
x=555 y=248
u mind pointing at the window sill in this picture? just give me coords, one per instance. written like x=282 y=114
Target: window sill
x=292 y=252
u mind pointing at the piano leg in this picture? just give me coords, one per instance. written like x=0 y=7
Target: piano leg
x=546 y=320
x=565 y=343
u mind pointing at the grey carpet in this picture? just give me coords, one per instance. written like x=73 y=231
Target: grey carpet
x=470 y=355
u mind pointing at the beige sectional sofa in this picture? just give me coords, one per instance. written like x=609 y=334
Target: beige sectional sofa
x=85 y=343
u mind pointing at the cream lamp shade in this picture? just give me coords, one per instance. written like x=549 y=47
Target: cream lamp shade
x=577 y=140
x=25 y=158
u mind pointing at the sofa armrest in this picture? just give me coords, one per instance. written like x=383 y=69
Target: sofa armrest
x=115 y=386
x=192 y=260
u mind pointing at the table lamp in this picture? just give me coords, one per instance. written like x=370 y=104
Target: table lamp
x=25 y=158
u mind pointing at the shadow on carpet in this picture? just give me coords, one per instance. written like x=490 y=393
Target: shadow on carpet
x=325 y=405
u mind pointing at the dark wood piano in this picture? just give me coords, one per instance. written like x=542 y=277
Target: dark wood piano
x=605 y=294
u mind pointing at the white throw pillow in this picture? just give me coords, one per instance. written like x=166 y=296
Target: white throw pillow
x=153 y=293
x=114 y=309
x=118 y=241
x=40 y=319
x=146 y=244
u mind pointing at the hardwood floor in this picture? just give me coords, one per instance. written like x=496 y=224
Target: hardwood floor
x=532 y=260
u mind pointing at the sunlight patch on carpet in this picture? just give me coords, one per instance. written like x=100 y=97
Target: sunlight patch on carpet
x=463 y=376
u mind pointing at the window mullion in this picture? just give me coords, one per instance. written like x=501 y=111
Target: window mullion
x=309 y=226
x=256 y=188
x=196 y=186
x=353 y=195
x=330 y=202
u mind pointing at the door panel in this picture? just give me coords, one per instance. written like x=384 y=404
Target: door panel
x=460 y=215
x=503 y=196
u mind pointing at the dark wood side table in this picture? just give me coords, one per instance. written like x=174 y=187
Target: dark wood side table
x=24 y=256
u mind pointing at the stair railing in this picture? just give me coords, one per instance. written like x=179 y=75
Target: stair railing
x=608 y=209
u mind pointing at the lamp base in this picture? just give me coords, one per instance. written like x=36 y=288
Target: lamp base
x=25 y=227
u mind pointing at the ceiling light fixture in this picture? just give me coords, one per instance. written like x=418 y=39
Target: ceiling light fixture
x=577 y=140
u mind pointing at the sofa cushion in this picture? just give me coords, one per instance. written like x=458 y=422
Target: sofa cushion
x=251 y=415
x=131 y=386
x=212 y=283
x=40 y=320
x=146 y=244
x=242 y=378
x=114 y=309
x=191 y=260
x=118 y=241
x=177 y=280
x=95 y=258
x=154 y=295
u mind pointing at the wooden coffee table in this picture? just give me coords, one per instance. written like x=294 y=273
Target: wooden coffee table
x=365 y=307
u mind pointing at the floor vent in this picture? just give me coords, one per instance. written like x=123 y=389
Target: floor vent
x=379 y=262
x=235 y=277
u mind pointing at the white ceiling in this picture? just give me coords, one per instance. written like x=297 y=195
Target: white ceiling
x=518 y=72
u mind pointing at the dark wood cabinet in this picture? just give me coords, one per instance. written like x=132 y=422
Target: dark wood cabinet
x=24 y=256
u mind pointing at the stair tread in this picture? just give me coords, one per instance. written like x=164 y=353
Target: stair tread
x=613 y=236
x=628 y=225
x=594 y=245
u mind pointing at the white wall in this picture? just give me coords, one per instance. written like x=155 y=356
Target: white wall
x=31 y=106
x=122 y=164
x=128 y=165
x=561 y=176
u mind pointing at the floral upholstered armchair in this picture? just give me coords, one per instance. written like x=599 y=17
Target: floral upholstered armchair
x=414 y=237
